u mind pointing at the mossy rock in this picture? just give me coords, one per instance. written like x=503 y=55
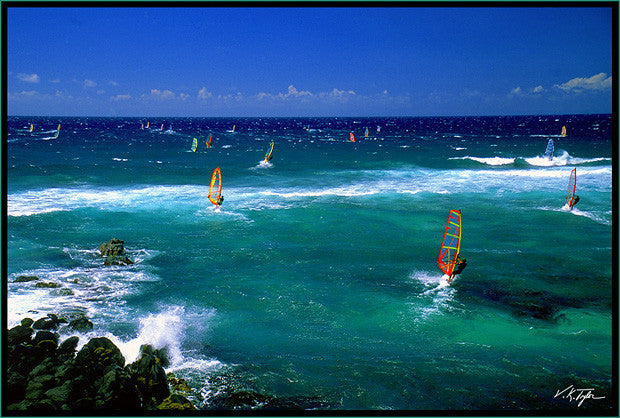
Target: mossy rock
x=177 y=403
x=22 y=279
x=47 y=285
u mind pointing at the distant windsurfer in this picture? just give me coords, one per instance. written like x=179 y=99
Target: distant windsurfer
x=220 y=201
x=458 y=268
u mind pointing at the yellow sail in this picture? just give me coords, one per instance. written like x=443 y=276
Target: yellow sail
x=366 y=133
x=563 y=130
x=195 y=145
x=31 y=127
x=268 y=155
x=451 y=243
x=147 y=124
x=215 y=190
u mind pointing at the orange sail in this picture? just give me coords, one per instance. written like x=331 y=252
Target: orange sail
x=572 y=185
x=451 y=243
x=351 y=137
x=215 y=190
x=209 y=141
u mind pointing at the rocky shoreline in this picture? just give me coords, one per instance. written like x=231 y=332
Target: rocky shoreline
x=43 y=375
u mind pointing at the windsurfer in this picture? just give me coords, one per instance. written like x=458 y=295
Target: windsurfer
x=219 y=201
x=574 y=202
x=458 y=269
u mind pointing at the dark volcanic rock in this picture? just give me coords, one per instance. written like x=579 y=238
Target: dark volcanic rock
x=19 y=334
x=27 y=322
x=98 y=357
x=51 y=322
x=114 y=253
x=21 y=279
x=81 y=324
x=49 y=285
x=44 y=377
x=150 y=377
x=176 y=402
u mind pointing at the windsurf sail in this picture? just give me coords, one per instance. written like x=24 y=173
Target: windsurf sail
x=268 y=155
x=378 y=128
x=195 y=145
x=572 y=185
x=233 y=129
x=31 y=127
x=549 y=150
x=351 y=137
x=451 y=244
x=209 y=141
x=366 y=133
x=162 y=127
x=57 y=131
x=563 y=130
x=215 y=190
x=147 y=124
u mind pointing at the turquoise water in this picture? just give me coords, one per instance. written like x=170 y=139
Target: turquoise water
x=316 y=283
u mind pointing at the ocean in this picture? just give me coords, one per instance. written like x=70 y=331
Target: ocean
x=316 y=285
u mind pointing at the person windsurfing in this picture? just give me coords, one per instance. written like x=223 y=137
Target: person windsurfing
x=220 y=201
x=574 y=202
x=458 y=268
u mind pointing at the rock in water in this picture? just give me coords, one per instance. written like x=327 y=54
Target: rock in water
x=114 y=253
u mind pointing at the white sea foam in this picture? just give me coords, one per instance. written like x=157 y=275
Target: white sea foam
x=435 y=299
x=94 y=291
x=488 y=160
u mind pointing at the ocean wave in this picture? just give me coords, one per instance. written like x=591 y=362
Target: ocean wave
x=358 y=184
x=488 y=160
x=94 y=291
x=561 y=160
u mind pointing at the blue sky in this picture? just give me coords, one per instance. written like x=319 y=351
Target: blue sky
x=406 y=61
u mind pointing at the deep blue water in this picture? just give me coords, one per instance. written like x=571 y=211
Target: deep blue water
x=316 y=283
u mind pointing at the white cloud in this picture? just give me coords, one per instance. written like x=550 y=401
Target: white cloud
x=28 y=78
x=158 y=94
x=120 y=97
x=89 y=83
x=183 y=96
x=538 y=89
x=204 y=94
x=517 y=91
x=113 y=83
x=596 y=82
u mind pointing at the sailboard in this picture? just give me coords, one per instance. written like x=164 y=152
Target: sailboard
x=209 y=141
x=451 y=243
x=366 y=133
x=215 y=190
x=31 y=127
x=351 y=137
x=378 y=128
x=549 y=150
x=162 y=127
x=563 y=131
x=572 y=185
x=268 y=155
x=57 y=132
x=233 y=129
x=147 y=124
x=194 y=145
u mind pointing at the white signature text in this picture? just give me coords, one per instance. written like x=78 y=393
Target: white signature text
x=578 y=395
